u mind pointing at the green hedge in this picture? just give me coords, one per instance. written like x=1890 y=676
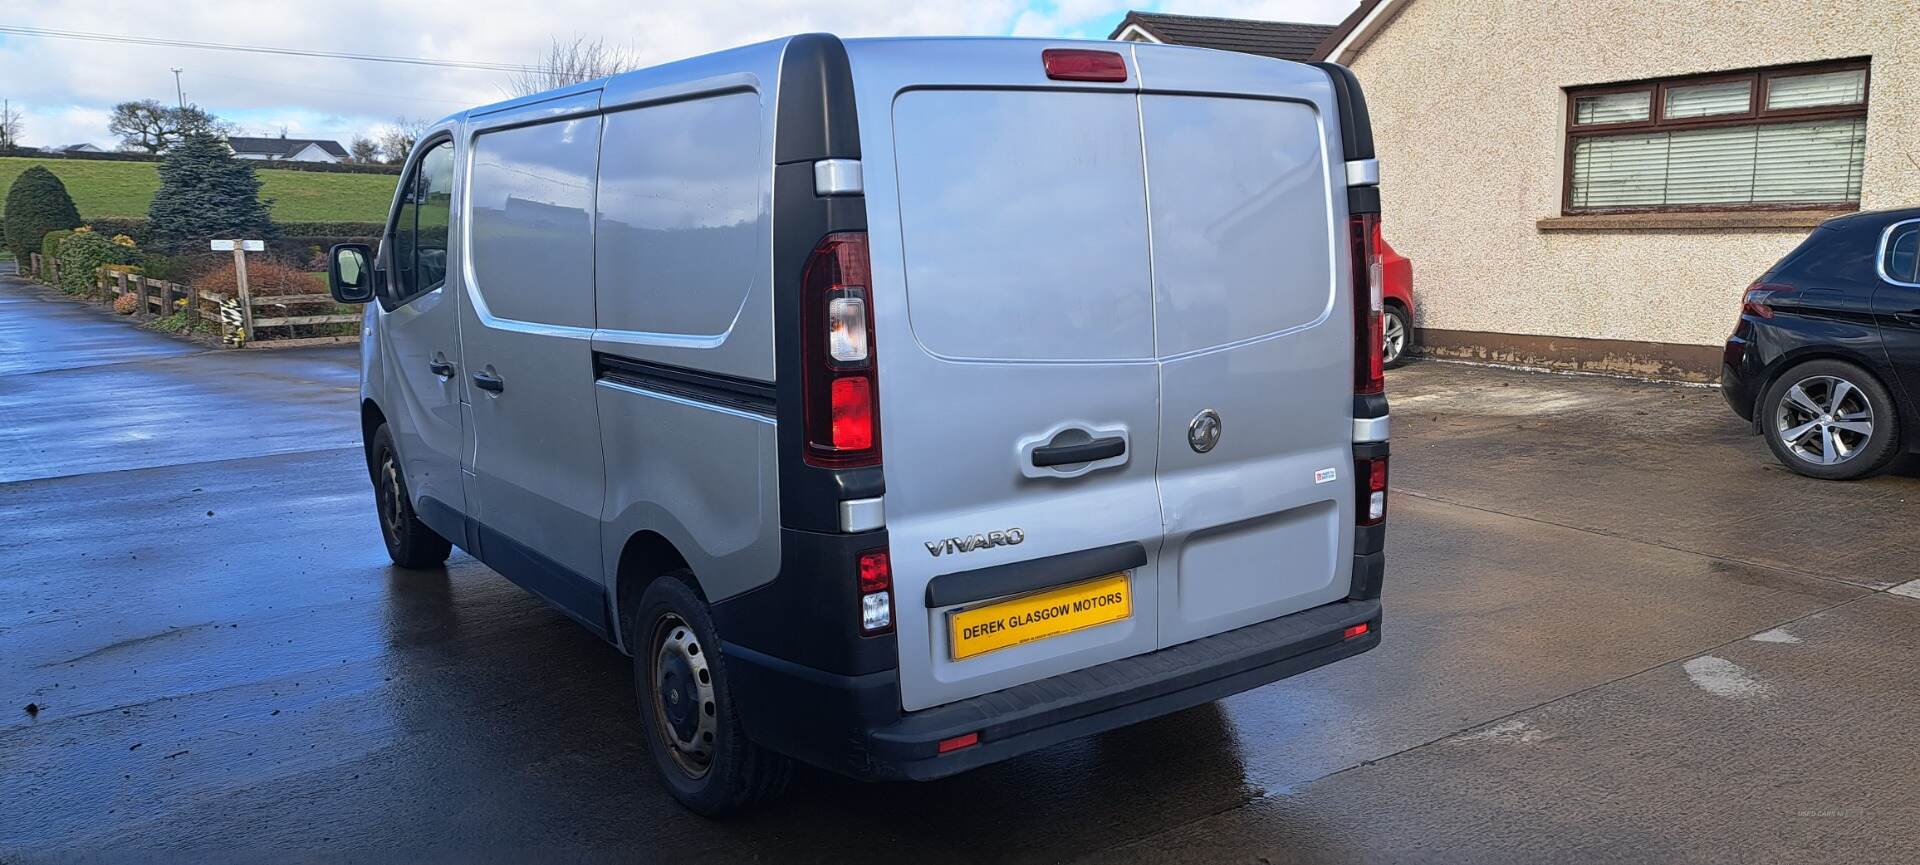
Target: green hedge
x=50 y=250
x=335 y=232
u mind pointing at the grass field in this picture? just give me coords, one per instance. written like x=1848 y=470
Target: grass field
x=101 y=188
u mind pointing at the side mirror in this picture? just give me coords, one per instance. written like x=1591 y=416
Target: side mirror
x=350 y=274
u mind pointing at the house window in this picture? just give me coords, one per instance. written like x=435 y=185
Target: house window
x=1782 y=137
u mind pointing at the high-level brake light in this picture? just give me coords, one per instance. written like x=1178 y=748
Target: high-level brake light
x=1081 y=64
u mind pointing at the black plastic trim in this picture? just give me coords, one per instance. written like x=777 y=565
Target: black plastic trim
x=575 y=594
x=722 y=390
x=809 y=614
x=1082 y=452
x=1356 y=127
x=1369 y=573
x=1371 y=450
x=1368 y=540
x=1370 y=405
x=814 y=119
x=1033 y=575
x=1363 y=199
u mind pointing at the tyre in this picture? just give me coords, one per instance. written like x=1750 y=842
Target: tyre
x=1396 y=334
x=687 y=708
x=409 y=542
x=1830 y=419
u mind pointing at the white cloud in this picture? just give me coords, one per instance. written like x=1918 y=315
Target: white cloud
x=1307 y=11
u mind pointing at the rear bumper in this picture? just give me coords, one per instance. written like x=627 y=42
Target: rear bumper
x=1740 y=378
x=853 y=724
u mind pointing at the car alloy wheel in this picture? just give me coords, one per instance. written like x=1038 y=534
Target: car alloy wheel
x=1393 y=337
x=1824 y=419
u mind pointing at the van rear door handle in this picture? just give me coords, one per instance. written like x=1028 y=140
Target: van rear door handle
x=440 y=366
x=489 y=382
x=1082 y=452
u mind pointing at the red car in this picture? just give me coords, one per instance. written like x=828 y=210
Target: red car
x=1396 y=289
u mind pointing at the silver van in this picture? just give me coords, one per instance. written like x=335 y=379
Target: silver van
x=899 y=405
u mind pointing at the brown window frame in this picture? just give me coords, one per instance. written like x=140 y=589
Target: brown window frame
x=1761 y=79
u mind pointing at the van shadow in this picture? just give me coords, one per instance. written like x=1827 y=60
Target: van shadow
x=520 y=729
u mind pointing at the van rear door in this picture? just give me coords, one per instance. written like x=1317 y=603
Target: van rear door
x=1019 y=393
x=1255 y=329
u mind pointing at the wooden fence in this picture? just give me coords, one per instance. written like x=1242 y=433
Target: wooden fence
x=239 y=319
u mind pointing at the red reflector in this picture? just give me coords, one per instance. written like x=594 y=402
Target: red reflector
x=1080 y=64
x=958 y=742
x=876 y=572
x=1352 y=631
x=852 y=413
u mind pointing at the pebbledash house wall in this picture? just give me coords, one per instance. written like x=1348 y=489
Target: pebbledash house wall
x=1469 y=115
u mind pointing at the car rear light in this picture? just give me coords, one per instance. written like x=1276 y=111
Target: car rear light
x=1754 y=300
x=1370 y=475
x=1352 y=631
x=841 y=382
x=1080 y=64
x=1369 y=364
x=956 y=743
x=876 y=592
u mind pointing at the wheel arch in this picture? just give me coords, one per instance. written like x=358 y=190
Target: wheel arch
x=645 y=557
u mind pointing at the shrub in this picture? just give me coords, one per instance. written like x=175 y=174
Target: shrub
x=205 y=193
x=50 y=251
x=133 y=227
x=36 y=204
x=265 y=278
x=331 y=229
x=84 y=252
x=127 y=304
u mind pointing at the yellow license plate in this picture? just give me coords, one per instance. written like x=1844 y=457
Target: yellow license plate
x=1038 y=616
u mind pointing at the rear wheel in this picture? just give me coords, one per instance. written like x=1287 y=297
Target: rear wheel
x=1396 y=336
x=1831 y=420
x=686 y=704
x=409 y=542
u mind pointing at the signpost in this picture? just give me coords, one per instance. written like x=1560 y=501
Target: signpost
x=240 y=248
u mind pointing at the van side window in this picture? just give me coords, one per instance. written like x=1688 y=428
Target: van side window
x=420 y=227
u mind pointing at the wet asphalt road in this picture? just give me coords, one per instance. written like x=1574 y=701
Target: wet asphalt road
x=1616 y=631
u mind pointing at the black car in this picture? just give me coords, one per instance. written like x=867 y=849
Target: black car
x=1826 y=359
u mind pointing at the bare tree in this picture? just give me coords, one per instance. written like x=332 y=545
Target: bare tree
x=150 y=126
x=397 y=141
x=572 y=62
x=363 y=150
x=10 y=126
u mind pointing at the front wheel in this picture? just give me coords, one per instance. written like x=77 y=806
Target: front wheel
x=409 y=542
x=1396 y=337
x=686 y=703
x=1831 y=420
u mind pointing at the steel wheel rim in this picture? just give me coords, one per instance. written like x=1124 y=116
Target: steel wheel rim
x=1393 y=336
x=683 y=696
x=1824 y=420
x=391 y=499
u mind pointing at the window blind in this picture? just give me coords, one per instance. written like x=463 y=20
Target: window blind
x=1815 y=162
x=1706 y=100
x=1612 y=108
x=1846 y=87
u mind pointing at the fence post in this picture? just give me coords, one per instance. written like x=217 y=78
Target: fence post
x=33 y=266
x=246 y=296
x=119 y=283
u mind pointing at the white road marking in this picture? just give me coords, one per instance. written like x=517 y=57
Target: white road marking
x=1777 y=635
x=1911 y=590
x=1723 y=678
x=1508 y=733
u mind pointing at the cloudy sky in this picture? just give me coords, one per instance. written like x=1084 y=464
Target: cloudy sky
x=65 y=88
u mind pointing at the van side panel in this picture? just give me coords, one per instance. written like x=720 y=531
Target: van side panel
x=536 y=466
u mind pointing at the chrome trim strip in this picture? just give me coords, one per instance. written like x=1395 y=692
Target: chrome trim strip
x=838 y=177
x=1880 y=255
x=1370 y=429
x=863 y=515
x=1363 y=172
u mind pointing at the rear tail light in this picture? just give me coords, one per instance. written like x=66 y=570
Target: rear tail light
x=876 y=593
x=1369 y=364
x=1370 y=475
x=1754 y=300
x=841 y=383
x=1080 y=64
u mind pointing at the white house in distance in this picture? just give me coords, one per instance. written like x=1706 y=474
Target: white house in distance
x=288 y=149
x=82 y=147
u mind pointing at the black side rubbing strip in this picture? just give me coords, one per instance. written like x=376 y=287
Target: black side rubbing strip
x=1033 y=575
x=721 y=390
x=1084 y=452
